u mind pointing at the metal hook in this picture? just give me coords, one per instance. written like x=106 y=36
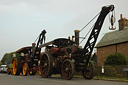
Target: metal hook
x=112 y=28
x=112 y=21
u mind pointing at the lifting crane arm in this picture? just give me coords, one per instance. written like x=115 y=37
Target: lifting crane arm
x=88 y=48
x=40 y=41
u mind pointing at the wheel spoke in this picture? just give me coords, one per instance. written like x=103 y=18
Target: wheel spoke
x=14 y=66
x=25 y=69
x=46 y=65
x=43 y=66
x=67 y=69
x=68 y=74
x=89 y=72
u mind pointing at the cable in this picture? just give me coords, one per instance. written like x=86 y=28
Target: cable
x=87 y=34
x=91 y=27
x=89 y=22
x=86 y=26
x=36 y=39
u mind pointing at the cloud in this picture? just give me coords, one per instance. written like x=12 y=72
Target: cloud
x=13 y=7
x=4 y=8
x=59 y=17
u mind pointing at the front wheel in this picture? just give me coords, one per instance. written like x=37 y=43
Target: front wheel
x=25 y=69
x=88 y=73
x=46 y=65
x=67 y=69
x=16 y=66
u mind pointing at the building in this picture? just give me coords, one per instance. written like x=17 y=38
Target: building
x=113 y=42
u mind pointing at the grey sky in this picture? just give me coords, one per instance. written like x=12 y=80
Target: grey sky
x=21 y=21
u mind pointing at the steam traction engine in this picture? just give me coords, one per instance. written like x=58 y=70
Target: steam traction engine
x=25 y=60
x=63 y=56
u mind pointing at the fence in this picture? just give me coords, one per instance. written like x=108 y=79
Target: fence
x=112 y=71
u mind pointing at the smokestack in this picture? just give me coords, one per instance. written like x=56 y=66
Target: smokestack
x=121 y=16
x=77 y=37
x=33 y=47
x=123 y=22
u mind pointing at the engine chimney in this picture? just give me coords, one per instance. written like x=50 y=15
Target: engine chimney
x=33 y=47
x=123 y=22
x=77 y=36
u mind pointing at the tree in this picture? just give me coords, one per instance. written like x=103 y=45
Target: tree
x=116 y=59
x=6 y=58
x=0 y=63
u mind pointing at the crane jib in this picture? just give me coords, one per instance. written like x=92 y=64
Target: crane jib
x=88 y=48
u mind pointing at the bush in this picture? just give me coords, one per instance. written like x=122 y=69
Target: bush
x=127 y=61
x=116 y=59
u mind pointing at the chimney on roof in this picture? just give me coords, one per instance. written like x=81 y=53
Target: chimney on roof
x=123 y=22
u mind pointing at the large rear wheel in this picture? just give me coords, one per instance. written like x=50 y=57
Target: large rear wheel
x=46 y=65
x=16 y=66
x=67 y=69
x=25 y=69
x=88 y=73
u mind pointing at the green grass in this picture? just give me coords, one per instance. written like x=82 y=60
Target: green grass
x=111 y=78
x=106 y=78
x=100 y=78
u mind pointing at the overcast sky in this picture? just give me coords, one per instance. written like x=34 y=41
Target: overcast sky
x=21 y=21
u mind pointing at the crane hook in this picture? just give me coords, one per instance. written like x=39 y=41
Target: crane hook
x=112 y=21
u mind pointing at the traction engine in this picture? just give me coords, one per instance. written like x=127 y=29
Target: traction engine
x=25 y=60
x=64 y=56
